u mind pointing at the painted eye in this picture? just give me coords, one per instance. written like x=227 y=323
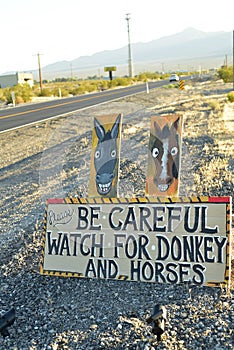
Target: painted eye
x=155 y=152
x=174 y=151
x=97 y=154
x=113 y=153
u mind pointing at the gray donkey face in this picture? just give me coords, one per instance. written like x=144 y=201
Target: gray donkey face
x=105 y=156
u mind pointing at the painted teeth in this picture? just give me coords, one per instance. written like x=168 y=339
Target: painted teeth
x=104 y=187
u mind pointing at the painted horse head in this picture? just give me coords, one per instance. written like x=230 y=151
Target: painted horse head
x=106 y=156
x=165 y=148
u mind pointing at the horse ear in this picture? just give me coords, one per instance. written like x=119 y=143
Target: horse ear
x=176 y=124
x=161 y=133
x=115 y=128
x=100 y=131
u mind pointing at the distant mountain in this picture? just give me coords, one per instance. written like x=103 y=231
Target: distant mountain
x=189 y=47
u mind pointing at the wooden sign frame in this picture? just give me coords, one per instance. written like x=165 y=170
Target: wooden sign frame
x=150 y=239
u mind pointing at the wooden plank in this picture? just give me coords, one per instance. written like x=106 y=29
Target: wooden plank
x=164 y=157
x=158 y=240
x=104 y=166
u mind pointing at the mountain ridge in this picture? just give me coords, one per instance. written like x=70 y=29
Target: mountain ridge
x=188 y=44
x=188 y=47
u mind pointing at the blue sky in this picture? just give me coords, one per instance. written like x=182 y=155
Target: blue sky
x=67 y=29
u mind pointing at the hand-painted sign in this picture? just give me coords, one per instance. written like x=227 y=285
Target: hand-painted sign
x=164 y=156
x=104 y=168
x=151 y=239
x=110 y=69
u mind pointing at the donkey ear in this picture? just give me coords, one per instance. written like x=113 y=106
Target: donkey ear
x=157 y=129
x=100 y=131
x=115 y=128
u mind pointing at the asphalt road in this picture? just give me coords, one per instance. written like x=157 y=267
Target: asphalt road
x=16 y=117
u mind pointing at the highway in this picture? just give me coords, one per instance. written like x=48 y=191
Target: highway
x=16 y=117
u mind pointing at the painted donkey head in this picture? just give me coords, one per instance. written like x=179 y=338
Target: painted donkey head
x=165 y=148
x=106 y=156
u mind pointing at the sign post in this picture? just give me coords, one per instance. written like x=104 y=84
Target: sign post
x=110 y=70
x=181 y=84
x=147 y=87
x=13 y=97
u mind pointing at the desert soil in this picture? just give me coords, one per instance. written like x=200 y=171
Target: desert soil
x=51 y=159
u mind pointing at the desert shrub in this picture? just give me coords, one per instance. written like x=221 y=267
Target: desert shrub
x=230 y=96
x=19 y=99
x=6 y=95
x=91 y=87
x=56 y=91
x=23 y=93
x=119 y=82
x=103 y=85
x=148 y=76
x=46 y=92
x=171 y=86
x=78 y=90
x=1 y=95
x=84 y=87
x=142 y=77
x=226 y=74
x=164 y=76
x=214 y=105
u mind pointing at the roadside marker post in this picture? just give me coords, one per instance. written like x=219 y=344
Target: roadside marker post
x=181 y=84
x=13 y=97
x=147 y=87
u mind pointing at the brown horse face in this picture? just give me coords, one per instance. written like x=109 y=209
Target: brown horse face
x=165 y=148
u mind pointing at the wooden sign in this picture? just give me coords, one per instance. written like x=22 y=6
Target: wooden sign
x=104 y=167
x=164 y=156
x=110 y=69
x=159 y=240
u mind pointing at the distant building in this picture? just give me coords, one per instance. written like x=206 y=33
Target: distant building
x=9 y=80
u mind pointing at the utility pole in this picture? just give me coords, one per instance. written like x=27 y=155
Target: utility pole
x=130 y=66
x=39 y=69
x=162 y=68
x=225 y=62
x=71 y=72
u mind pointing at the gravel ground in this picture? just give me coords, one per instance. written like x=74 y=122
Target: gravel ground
x=51 y=159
